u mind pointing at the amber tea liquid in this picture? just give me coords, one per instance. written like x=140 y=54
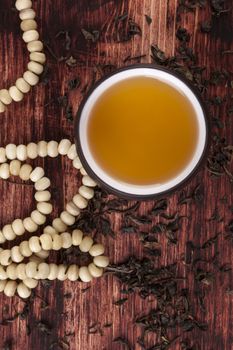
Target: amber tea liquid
x=142 y=131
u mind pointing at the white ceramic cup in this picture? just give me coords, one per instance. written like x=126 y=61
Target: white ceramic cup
x=81 y=132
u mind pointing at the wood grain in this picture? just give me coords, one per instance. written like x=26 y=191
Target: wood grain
x=39 y=116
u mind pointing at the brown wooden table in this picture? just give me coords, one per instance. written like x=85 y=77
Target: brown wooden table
x=68 y=308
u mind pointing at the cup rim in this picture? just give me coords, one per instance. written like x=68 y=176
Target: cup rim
x=177 y=186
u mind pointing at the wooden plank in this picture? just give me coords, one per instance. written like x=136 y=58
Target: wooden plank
x=40 y=116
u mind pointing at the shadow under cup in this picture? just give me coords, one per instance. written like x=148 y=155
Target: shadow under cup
x=113 y=184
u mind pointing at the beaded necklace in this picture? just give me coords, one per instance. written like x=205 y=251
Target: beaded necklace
x=22 y=277
x=37 y=57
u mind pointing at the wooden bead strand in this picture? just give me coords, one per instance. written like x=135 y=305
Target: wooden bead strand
x=12 y=267
x=37 y=57
x=38 y=216
x=20 y=277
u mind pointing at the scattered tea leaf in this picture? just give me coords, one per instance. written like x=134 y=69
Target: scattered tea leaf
x=44 y=327
x=128 y=229
x=206 y=26
x=67 y=38
x=218 y=7
x=71 y=61
x=121 y=17
x=158 y=55
x=91 y=35
x=120 y=302
x=210 y=241
x=74 y=83
x=69 y=114
x=159 y=207
x=183 y=35
x=123 y=341
x=148 y=19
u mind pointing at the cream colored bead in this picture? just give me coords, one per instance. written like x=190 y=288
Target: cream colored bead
x=31 y=78
x=62 y=273
x=18 y=227
x=5 y=257
x=64 y=147
x=15 y=166
x=38 y=218
x=27 y=14
x=2 y=155
x=35 y=46
x=84 y=274
x=50 y=230
x=80 y=202
x=11 y=151
x=72 y=153
x=28 y=24
x=2 y=107
x=87 y=181
x=86 y=192
x=25 y=249
x=42 y=184
x=101 y=261
x=67 y=218
x=53 y=271
x=35 y=259
x=34 y=244
x=31 y=269
x=77 y=163
x=21 y=271
x=46 y=241
x=30 y=225
x=43 y=271
x=2 y=285
x=2 y=238
x=38 y=57
x=8 y=233
x=83 y=171
x=45 y=208
x=23 y=291
x=30 y=283
x=21 y=152
x=23 y=4
x=77 y=236
x=32 y=150
x=5 y=97
x=42 y=196
x=25 y=172
x=35 y=67
x=53 y=149
x=86 y=244
x=96 y=250
x=59 y=225
x=42 y=149
x=4 y=171
x=30 y=35
x=95 y=271
x=16 y=255
x=22 y=85
x=37 y=174
x=57 y=242
x=10 y=288
x=72 y=273
x=43 y=254
x=12 y=272
x=3 y=273
x=15 y=94
x=66 y=240
x=72 y=209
